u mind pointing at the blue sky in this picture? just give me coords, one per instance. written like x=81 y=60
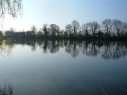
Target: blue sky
x=62 y=12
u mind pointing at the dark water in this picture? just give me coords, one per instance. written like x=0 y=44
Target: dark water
x=64 y=67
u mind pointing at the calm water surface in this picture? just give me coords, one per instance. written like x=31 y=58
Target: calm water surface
x=64 y=67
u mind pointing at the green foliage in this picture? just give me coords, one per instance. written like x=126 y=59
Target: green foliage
x=107 y=35
x=107 y=43
x=1 y=39
x=37 y=35
x=9 y=41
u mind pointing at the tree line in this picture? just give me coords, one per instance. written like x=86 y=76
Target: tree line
x=107 y=30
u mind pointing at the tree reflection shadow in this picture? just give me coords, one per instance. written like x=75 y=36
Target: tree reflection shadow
x=6 y=90
x=107 y=49
x=6 y=47
x=72 y=48
x=91 y=49
x=114 y=50
x=54 y=46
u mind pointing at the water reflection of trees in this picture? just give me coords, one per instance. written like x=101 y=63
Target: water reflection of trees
x=6 y=47
x=53 y=46
x=107 y=50
x=6 y=90
x=90 y=48
x=73 y=48
x=114 y=50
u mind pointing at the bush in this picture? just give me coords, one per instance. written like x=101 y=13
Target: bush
x=107 y=35
x=1 y=39
x=9 y=41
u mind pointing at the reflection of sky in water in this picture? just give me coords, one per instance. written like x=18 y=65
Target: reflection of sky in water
x=36 y=73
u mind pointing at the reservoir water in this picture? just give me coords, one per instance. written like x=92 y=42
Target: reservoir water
x=64 y=67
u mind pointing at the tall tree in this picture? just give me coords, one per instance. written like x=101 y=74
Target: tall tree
x=10 y=32
x=117 y=25
x=33 y=30
x=85 y=29
x=124 y=29
x=93 y=27
x=68 y=29
x=45 y=30
x=107 y=25
x=54 y=29
x=75 y=26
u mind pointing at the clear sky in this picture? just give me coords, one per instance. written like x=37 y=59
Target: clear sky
x=62 y=12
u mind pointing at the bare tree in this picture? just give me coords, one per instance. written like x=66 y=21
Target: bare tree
x=33 y=30
x=85 y=29
x=68 y=29
x=93 y=27
x=61 y=32
x=107 y=25
x=117 y=26
x=49 y=30
x=54 y=29
x=10 y=32
x=45 y=30
x=75 y=26
x=124 y=28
